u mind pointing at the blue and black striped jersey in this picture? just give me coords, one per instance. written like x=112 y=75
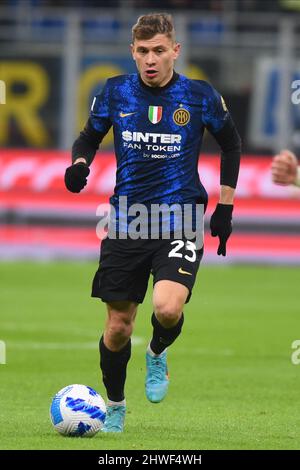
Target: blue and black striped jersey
x=157 y=136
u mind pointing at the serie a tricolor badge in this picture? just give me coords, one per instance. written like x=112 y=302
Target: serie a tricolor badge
x=155 y=114
x=181 y=116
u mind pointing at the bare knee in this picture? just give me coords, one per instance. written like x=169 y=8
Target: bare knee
x=168 y=300
x=168 y=312
x=119 y=326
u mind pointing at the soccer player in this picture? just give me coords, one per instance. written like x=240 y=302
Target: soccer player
x=158 y=117
x=285 y=169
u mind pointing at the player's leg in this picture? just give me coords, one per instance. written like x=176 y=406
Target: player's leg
x=175 y=267
x=121 y=282
x=169 y=298
x=115 y=352
x=123 y=274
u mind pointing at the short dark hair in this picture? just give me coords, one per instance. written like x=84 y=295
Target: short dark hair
x=148 y=26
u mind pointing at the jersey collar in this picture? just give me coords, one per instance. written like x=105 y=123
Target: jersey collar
x=157 y=90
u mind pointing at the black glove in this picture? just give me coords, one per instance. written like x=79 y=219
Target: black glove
x=220 y=225
x=76 y=177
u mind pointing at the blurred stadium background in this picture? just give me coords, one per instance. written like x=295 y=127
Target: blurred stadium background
x=242 y=320
x=54 y=56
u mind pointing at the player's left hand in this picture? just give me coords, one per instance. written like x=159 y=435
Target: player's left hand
x=221 y=226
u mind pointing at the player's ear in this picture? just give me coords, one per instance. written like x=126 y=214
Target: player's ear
x=176 y=50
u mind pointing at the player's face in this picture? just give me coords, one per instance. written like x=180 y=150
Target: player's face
x=155 y=59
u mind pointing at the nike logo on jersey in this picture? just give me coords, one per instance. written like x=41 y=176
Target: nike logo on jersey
x=126 y=114
x=181 y=271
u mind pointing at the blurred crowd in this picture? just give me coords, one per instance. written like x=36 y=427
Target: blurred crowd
x=205 y=5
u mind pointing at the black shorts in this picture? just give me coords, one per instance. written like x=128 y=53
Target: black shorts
x=125 y=267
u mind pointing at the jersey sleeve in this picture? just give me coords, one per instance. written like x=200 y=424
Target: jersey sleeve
x=100 y=111
x=219 y=123
x=97 y=126
x=215 y=112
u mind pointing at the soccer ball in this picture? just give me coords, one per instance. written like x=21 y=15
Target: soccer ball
x=77 y=410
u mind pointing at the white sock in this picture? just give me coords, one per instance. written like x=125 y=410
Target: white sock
x=116 y=403
x=149 y=350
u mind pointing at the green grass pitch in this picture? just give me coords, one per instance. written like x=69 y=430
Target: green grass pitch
x=233 y=385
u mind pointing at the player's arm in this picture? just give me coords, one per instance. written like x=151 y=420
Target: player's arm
x=230 y=143
x=86 y=145
x=83 y=152
x=220 y=124
x=285 y=169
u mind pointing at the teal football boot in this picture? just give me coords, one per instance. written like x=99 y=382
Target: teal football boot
x=157 y=379
x=115 y=417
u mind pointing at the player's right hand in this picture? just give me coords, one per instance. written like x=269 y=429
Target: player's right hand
x=76 y=177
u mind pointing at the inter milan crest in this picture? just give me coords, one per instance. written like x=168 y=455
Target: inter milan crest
x=155 y=114
x=181 y=116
